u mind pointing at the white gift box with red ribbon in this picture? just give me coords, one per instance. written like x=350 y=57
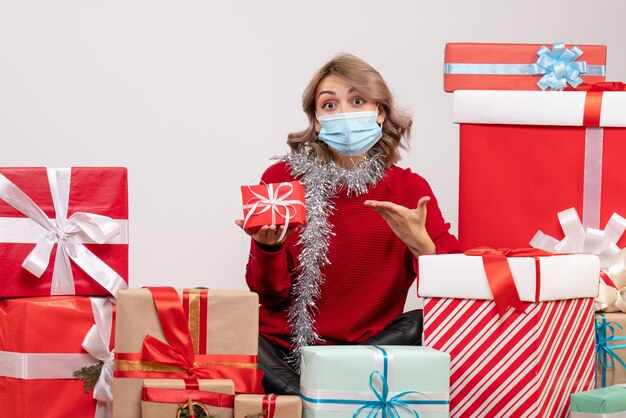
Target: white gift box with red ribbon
x=513 y=362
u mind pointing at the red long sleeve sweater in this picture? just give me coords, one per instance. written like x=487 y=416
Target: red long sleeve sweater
x=370 y=271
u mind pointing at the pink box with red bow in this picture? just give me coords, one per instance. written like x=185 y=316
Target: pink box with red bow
x=63 y=231
x=273 y=204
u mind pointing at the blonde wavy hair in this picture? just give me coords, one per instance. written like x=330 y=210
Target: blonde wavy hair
x=396 y=127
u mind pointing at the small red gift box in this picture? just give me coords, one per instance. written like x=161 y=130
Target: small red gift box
x=479 y=66
x=527 y=157
x=273 y=204
x=63 y=231
x=41 y=347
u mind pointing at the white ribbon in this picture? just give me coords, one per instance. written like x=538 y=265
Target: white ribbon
x=274 y=202
x=42 y=365
x=65 y=232
x=602 y=243
x=592 y=182
x=613 y=298
x=96 y=343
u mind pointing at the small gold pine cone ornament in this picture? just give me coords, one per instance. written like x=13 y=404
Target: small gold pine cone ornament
x=191 y=409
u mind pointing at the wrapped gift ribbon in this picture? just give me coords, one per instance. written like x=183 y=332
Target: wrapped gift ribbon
x=268 y=406
x=499 y=274
x=276 y=202
x=612 y=289
x=577 y=239
x=164 y=395
x=605 y=334
x=602 y=243
x=67 y=233
x=96 y=343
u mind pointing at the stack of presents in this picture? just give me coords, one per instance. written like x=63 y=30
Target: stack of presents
x=528 y=322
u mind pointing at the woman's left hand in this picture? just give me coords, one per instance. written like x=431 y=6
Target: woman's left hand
x=408 y=224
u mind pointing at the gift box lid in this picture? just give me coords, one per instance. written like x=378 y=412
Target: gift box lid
x=537 y=279
x=605 y=400
x=563 y=108
x=507 y=66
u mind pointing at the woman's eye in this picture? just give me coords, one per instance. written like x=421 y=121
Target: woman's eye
x=329 y=106
x=358 y=101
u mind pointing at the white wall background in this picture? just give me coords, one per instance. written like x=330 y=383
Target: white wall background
x=195 y=96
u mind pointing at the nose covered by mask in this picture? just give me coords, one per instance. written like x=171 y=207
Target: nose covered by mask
x=350 y=133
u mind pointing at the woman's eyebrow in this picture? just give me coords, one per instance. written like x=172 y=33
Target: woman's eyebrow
x=326 y=92
x=350 y=90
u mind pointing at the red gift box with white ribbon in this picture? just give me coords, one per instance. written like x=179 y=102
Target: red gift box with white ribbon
x=43 y=341
x=63 y=231
x=527 y=156
x=273 y=204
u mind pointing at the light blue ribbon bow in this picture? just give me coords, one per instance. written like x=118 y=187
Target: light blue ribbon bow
x=604 y=352
x=382 y=404
x=558 y=67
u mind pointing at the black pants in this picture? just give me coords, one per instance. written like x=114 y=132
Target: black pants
x=280 y=378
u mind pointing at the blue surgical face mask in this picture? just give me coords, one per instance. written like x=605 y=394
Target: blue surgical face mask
x=350 y=133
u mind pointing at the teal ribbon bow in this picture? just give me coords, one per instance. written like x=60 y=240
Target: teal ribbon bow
x=604 y=352
x=382 y=404
x=559 y=67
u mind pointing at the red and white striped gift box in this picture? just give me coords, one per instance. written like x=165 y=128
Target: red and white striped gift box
x=521 y=364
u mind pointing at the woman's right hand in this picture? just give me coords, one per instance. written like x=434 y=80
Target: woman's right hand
x=267 y=234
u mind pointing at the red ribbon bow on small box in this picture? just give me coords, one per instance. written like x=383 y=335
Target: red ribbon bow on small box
x=499 y=274
x=273 y=204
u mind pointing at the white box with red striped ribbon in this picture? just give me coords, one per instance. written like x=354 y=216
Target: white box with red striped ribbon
x=520 y=364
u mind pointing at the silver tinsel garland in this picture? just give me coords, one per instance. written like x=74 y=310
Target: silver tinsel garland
x=322 y=182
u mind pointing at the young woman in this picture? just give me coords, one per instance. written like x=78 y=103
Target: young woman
x=343 y=278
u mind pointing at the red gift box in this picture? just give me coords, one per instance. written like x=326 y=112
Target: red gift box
x=520 y=363
x=86 y=209
x=273 y=204
x=40 y=348
x=479 y=66
x=525 y=157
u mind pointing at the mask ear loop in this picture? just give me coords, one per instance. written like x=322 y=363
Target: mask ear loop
x=377 y=114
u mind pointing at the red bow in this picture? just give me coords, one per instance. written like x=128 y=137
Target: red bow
x=603 y=86
x=499 y=274
x=179 y=352
x=593 y=100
